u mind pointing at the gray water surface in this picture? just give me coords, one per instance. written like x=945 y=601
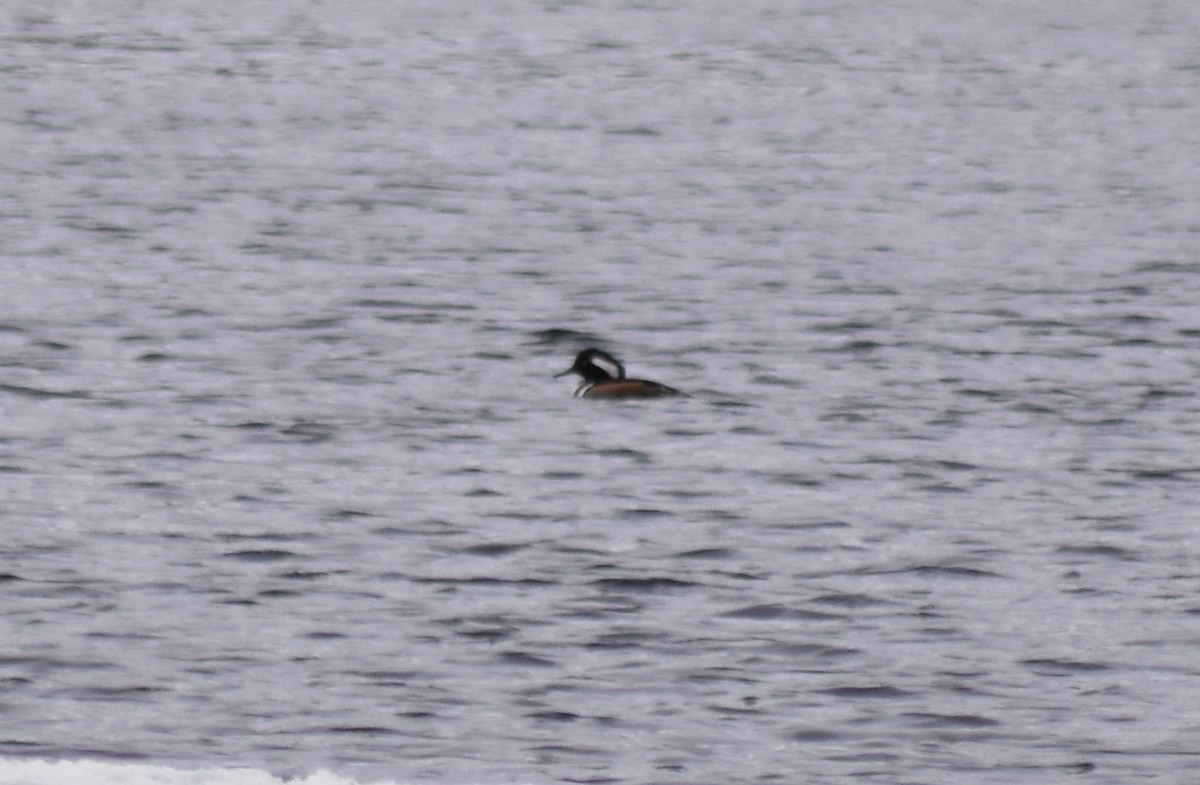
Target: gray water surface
x=286 y=480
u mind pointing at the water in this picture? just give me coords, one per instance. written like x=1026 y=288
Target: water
x=288 y=486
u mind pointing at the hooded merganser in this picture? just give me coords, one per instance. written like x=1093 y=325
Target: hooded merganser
x=604 y=377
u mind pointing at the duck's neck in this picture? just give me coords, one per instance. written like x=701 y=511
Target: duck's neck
x=594 y=374
x=602 y=367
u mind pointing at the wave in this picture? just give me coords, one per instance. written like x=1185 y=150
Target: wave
x=91 y=772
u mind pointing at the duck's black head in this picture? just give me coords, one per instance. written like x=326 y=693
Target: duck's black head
x=596 y=366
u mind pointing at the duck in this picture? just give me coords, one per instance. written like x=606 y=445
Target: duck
x=604 y=377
